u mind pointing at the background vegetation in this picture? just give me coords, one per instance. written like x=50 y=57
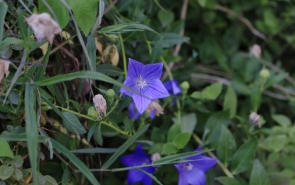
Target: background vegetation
x=237 y=100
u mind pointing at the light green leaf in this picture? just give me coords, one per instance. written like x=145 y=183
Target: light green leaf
x=18 y=174
x=125 y=27
x=156 y=52
x=17 y=161
x=72 y=123
x=258 y=174
x=283 y=120
x=188 y=123
x=166 y=17
x=6 y=172
x=202 y=3
x=181 y=140
x=230 y=101
x=227 y=181
x=32 y=129
x=60 y=12
x=5 y=150
x=168 y=149
x=85 y=13
x=174 y=130
x=3 y=11
x=209 y=93
x=124 y=147
x=226 y=145
x=244 y=157
x=76 y=161
x=275 y=143
x=170 y=39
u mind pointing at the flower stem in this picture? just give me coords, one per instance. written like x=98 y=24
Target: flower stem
x=123 y=55
x=220 y=164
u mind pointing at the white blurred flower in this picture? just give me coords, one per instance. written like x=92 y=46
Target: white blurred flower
x=254 y=118
x=156 y=156
x=255 y=50
x=154 y=109
x=4 y=68
x=100 y=104
x=43 y=26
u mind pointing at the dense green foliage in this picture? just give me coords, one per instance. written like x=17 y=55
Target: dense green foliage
x=232 y=59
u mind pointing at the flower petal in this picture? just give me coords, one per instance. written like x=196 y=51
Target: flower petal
x=133 y=113
x=134 y=176
x=153 y=71
x=141 y=103
x=147 y=180
x=204 y=163
x=172 y=87
x=136 y=159
x=129 y=82
x=155 y=90
x=192 y=177
x=135 y=68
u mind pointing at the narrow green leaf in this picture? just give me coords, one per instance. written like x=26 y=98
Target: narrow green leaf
x=32 y=129
x=3 y=11
x=95 y=150
x=156 y=52
x=22 y=24
x=77 y=162
x=244 y=157
x=99 y=17
x=72 y=123
x=258 y=174
x=227 y=181
x=19 y=137
x=5 y=149
x=124 y=147
x=125 y=27
x=170 y=39
x=42 y=67
x=230 y=101
x=151 y=176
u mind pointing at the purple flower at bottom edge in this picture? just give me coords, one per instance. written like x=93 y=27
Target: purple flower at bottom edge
x=138 y=158
x=193 y=172
x=144 y=79
x=172 y=87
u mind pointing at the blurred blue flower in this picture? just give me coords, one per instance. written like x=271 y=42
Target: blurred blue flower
x=133 y=113
x=144 y=79
x=193 y=172
x=172 y=87
x=138 y=158
x=154 y=109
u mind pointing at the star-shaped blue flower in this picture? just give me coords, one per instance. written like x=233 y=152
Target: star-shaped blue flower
x=193 y=172
x=138 y=158
x=172 y=87
x=144 y=79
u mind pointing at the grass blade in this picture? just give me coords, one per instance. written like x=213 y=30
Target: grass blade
x=77 y=162
x=32 y=129
x=3 y=11
x=125 y=146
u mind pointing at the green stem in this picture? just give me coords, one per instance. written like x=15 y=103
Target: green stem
x=123 y=55
x=220 y=164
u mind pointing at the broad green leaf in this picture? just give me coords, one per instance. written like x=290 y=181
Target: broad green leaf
x=283 y=120
x=85 y=13
x=275 y=143
x=72 y=123
x=17 y=161
x=76 y=161
x=181 y=140
x=50 y=180
x=17 y=174
x=6 y=172
x=212 y=92
x=202 y=3
x=32 y=129
x=125 y=27
x=166 y=17
x=5 y=150
x=124 y=147
x=244 y=157
x=188 y=123
x=3 y=11
x=226 y=145
x=174 y=130
x=227 y=181
x=156 y=52
x=168 y=149
x=60 y=12
x=22 y=24
x=230 y=101
x=170 y=39
x=258 y=174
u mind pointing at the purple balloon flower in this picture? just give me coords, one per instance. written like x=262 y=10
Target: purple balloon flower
x=172 y=87
x=133 y=113
x=193 y=172
x=144 y=79
x=138 y=158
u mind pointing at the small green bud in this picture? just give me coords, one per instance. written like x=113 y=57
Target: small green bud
x=92 y=112
x=110 y=93
x=184 y=86
x=264 y=73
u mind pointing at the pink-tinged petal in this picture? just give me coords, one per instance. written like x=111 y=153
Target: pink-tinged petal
x=153 y=71
x=135 y=68
x=134 y=176
x=155 y=90
x=129 y=82
x=141 y=103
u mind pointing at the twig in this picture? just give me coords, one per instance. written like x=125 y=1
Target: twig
x=211 y=78
x=112 y=4
x=243 y=20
